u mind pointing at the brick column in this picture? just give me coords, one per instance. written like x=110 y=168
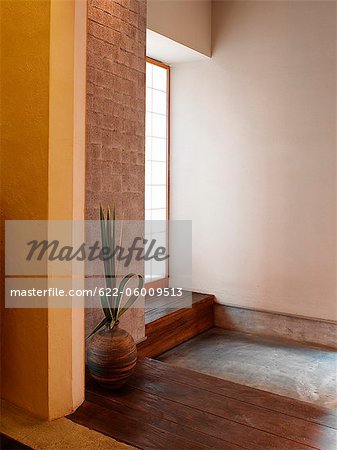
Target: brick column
x=115 y=169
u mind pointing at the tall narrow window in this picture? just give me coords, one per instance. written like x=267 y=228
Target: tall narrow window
x=157 y=165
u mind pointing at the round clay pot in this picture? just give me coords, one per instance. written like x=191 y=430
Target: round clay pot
x=112 y=356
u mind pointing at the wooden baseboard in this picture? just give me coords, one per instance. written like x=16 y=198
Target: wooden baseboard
x=270 y=324
x=178 y=326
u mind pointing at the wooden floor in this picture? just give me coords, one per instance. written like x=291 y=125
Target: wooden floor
x=171 y=408
x=160 y=306
x=8 y=443
x=169 y=321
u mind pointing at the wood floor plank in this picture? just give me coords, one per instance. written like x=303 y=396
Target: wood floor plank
x=166 y=407
x=274 y=402
x=278 y=424
x=157 y=314
x=130 y=430
x=177 y=327
x=135 y=404
x=159 y=301
x=163 y=311
x=164 y=306
x=209 y=429
x=8 y=443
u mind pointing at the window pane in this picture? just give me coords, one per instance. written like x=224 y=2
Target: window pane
x=149 y=74
x=158 y=172
x=148 y=231
x=159 y=214
x=148 y=214
x=149 y=99
x=159 y=80
x=148 y=124
x=158 y=197
x=159 y=149
x=148 y=271
x=159 y=102
x=148 y=173
x=159 y=226
x=158 y=125
x=148 y=197
x=148 y=149
x=156 y=165
x=160 y=239
x=158 y=269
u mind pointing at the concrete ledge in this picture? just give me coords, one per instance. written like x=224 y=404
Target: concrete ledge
x=264 y=323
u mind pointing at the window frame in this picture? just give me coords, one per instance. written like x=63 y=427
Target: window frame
x=164 y=282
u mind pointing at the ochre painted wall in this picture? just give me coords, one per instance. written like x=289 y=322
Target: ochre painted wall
x=43 y=154
x=25 y=28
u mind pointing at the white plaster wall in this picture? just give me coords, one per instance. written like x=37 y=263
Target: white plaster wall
x=253 y=157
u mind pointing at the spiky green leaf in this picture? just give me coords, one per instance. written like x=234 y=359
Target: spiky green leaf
x=106 y=307
x=132 y=298
x=98 y=327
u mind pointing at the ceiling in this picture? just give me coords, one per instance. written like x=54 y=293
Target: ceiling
x=168 y=51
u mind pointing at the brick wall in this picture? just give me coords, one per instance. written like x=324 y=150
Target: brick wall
x=115 y=169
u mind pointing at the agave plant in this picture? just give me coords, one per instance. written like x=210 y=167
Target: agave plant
x=112 y=305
